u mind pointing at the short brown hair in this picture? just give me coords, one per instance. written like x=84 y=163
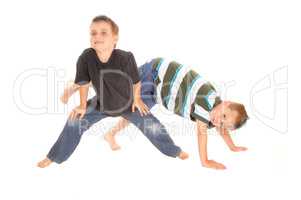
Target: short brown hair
x=108 y=20
x=242 y=117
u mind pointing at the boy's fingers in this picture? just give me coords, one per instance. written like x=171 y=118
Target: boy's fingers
x=146 y=111
x=143 y=113
x=74 y=115
x=220 y=166
x=216 y=165
x=81 y=115
x=140 y=111
x=146 y=108
x=142 y=108
x=71 y=116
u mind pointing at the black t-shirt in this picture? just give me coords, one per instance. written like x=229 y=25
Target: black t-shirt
x=113 y=81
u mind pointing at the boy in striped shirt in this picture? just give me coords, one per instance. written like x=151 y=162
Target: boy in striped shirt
x=184 y=92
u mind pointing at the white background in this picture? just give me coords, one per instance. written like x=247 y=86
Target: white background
x=247 y=45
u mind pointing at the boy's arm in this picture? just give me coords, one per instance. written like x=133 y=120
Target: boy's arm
x=228 y=140
x=81 y=109
x=202 y=142
x=143 y=109
x=83 y=94
x=69 y=91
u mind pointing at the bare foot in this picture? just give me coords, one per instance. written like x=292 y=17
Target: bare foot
x=111 y=140
x=183 y=155
x=44 y=163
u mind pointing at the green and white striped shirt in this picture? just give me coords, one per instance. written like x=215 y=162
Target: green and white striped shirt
x=183 y=91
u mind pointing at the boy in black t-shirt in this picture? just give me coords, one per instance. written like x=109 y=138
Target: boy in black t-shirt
x=114 y=76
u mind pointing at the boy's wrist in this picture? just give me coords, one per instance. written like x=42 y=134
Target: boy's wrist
x=137 y=98
x=232 y=148
x=83 y=105
x=205 y=163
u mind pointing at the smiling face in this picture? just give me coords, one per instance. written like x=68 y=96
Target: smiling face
x=102 y=37
x=225 y=116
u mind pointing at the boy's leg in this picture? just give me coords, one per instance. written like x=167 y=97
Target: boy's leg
x=156 y=133
x=71 y=135
x=110 y=135
x=147 y=95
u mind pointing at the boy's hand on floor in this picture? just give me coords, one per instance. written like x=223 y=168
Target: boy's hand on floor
x=77 y=111
x=237 y=149
x=143 y=109
x=213 y=164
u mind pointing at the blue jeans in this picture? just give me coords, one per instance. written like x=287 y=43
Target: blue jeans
x=73 y=131
x=148 y=88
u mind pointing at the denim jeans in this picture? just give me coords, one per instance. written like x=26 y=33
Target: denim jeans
x=73 y=131
x=148 y=88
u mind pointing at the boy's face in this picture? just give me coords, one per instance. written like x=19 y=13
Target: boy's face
x=101 y=36
x=225 y=118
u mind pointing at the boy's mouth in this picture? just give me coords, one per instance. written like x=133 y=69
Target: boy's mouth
x=98 y=42
x=214 y=120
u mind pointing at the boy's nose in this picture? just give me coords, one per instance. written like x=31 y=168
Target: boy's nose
x=98 y=37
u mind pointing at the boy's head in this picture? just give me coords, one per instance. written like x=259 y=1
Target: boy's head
x=103 y=33
x=229 y=115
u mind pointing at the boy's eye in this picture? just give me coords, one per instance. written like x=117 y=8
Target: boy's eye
x=224 y=116
x=93 y=33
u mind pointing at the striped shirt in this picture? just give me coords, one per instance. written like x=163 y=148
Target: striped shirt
x=183 y=91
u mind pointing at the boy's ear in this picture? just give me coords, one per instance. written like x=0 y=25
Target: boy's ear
x=116 y=39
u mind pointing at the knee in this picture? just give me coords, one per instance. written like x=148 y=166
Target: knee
x=73 y=123
x=77 y=124
x=154 y=128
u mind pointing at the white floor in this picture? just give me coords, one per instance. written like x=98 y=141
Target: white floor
x=138 y=170
x=248 y=46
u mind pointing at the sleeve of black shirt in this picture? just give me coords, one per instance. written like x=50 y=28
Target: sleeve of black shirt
x=133 y=69
x=82 y=76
